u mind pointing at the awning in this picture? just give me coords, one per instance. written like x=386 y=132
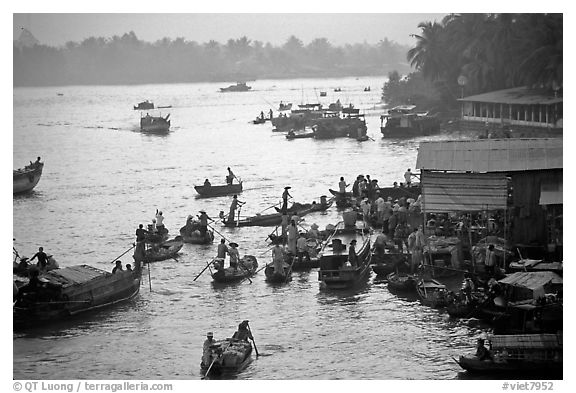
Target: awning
x=450 y=192
x=551 y=192
x=531 y=280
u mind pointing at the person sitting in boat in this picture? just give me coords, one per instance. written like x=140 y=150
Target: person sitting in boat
x=32 y=287
x=51 y=264
x=118 y=267
x=129 y=268
x=314 y=232
x=207 y=183
x=482 y=353
x=379 y=247
x=42 y=258
x=291 y=132
x=203 y=217
x=234 y=255
x=243 y=333
x=342 y=185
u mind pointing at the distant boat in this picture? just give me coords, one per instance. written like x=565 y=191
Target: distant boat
x=25 y=179
x=405 y=122
x=239 y=86
x=219 y=190
x=154 y=124
x=323 y=94
x=367 y=88
x=285 y=107
x=144 y=105
x=60 y=94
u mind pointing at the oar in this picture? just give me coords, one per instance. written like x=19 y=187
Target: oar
x=206 y=267
x=245 y=268
x=253 y=341
x=149 y=279
x=216 y=358
x=270 y=207
x=289 y=270
x=121 y=255
x=224 y=237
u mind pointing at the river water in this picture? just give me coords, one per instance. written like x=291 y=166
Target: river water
x=103 y=177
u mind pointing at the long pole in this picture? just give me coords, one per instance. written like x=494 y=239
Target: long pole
x=224 y=237
x=206 y=267
x=253 y=341
x=121 y=255
x=149 y=279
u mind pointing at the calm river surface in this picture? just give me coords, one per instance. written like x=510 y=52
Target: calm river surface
x=103 y=177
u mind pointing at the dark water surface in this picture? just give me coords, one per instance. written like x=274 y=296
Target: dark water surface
x=102 y=177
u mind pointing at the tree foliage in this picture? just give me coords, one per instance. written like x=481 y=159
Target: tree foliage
x=128 y=60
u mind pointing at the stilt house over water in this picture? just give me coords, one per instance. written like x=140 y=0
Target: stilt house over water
x=516 y=112
x=520 y=179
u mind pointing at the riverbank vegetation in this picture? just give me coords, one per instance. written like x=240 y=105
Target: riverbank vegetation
x=128 y=60
x=467 y=54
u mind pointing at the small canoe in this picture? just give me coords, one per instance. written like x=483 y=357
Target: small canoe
x=25 y=179
x=432 y=293
x=246 y=268
x=229 y=356
x=401 y=282
x=306 y=208
x=166 y=250
x=278 y=278
x=214 y=191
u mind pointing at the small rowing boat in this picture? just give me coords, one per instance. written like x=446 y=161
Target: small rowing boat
x=25 y=179
x=401 y=282
x=220 y=190
x=278 y=278
x=432 y=293
x=229 y=356
x=246 y=268
x=162 y=251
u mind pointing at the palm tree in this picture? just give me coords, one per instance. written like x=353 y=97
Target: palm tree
x=429 y=54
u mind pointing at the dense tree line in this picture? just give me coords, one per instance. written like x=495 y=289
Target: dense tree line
x=485 y=52
x=127 y=60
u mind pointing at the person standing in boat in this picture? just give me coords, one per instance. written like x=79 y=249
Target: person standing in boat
x=352 y=256
x=490 y=260
x=233 y=206
x=42 y=258
x=302 y=248
x=342 y=185
x=222 y=250
x=408 y=177
x=234 y=255
x=366 y=207
x=292 y=237
x=159 y=221
x=285 y=196
x=207 y=349
x=243 y=333
x=278 y=259
x=231 y=176
x=271 y=114
x=203 y=217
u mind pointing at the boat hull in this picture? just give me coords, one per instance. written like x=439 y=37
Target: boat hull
x=74 y=290
x=166 y=250
x=24 y=180
x=277 y=277
x=214 y=191
x=432 y=293
x=196 y=238
x=401 y=282
x=246 y=268
x=235 y=357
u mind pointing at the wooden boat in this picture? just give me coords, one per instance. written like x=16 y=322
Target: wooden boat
x=323 y=94
x=73 y=290
x=220 y=190
x=533 y=353
x=285 y=107
x=334 y=272
x=231 y=356
x=277 y=277
x=401 y=282
x=431 y=292
x=405 y=122
x=25 y=179
x=246 y=268
x=195 y=237
x=155 y=124
x=342 y=199
x=306 y=208
x=535 y=265
x=331 y=125
x=412 y=191
x=389 y=262
x=166 y=250
x=144 y=105
x=239 y=86
x=292 y=135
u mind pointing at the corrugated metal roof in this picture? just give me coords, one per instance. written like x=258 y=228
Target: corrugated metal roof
x=491 y=155
x=540 y=341
x=531 y=280
x=516 y=95
x=448 y=192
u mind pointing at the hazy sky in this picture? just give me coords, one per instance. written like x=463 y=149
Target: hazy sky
x=339 y=28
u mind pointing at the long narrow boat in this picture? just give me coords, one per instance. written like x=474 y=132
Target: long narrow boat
x=64 y=292
x=530 y=353
x=246 y=268
x=334 y=274
x=384 y=264
x=275 y=219
x=166 y=250
x=214 y=191
x=432 y=293
x=25 y=179
x=306 y=208
x=230 y=356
